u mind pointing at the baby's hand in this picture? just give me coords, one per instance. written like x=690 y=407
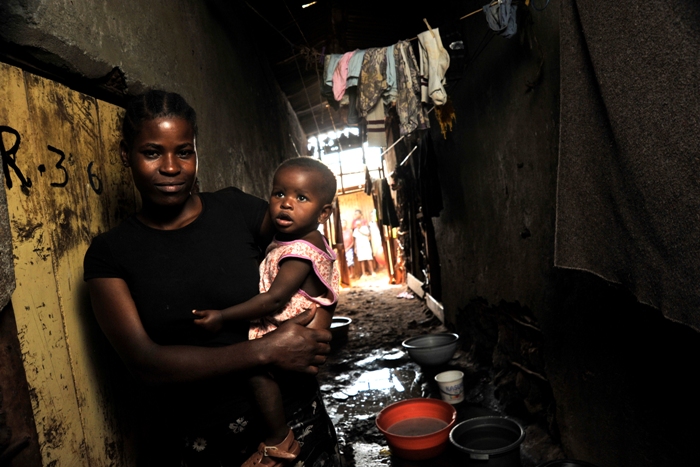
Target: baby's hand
x=211 y=320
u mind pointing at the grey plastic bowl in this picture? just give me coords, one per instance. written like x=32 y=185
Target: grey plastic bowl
x=492 y=441
x=432 y=349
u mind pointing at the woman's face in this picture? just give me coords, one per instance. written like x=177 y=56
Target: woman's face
x=163 y=161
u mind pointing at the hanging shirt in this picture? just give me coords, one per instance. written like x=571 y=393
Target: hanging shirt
x=372 y=80
x=409 y=109
x=389 y=95
x=354 y=68
x=329 y=66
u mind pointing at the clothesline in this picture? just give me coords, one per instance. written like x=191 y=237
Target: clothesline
x=425 y=20
x=480 y=10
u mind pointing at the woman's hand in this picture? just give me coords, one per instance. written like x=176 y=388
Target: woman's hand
x=295 y=347
x=211 y=320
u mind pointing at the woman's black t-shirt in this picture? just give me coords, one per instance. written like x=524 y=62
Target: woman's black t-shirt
x=211 y=263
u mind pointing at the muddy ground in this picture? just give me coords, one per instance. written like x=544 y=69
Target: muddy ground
x=369 y=370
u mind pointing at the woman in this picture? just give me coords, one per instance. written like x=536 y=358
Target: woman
x=363 y=245
x=185 y=251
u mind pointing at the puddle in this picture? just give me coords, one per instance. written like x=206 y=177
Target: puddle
x=370 y=454
x=372 y=390
x=372 y=380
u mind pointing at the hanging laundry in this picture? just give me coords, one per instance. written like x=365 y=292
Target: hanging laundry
x=368 y=182
x=389 y=95
x=376 y=134
x=501 y=17
x=340 y=76
x=329 y=65
x=434 y=61
x=353 y=116
x=425 y=171
x=409 y=109
x=372 y=80
x=354 y=68
x=386 y=215
x=445 y=115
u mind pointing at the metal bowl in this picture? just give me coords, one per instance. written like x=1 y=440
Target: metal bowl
x=432 y=349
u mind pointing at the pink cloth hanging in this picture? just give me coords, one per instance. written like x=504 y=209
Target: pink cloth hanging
x=340 y=76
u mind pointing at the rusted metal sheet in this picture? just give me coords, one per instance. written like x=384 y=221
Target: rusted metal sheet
x=63 y=190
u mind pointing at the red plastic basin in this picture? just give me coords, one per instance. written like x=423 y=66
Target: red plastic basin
x=422 y=443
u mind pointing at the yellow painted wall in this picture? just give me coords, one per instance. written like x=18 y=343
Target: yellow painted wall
x=65 y=184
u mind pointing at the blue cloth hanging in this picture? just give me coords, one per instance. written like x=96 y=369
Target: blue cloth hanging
x=501 y=17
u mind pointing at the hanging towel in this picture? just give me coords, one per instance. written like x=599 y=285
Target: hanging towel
x=340 y=76
x=501 y=18
x=434 y=61
x=376 y=134
x=411 y=113
x=372 y=80
x=628 y=185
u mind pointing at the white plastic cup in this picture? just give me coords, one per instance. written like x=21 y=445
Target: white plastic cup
x=451 y=386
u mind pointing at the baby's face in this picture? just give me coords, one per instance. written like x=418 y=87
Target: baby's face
x=296 y=203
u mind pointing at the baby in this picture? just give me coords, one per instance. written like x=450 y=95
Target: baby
x=298 y=271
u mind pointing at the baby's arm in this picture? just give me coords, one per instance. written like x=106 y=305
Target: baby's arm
x=291 y=275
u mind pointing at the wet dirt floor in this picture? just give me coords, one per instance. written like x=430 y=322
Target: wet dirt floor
x=369 y=370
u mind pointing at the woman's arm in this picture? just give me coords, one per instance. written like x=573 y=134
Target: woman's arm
x=292 y=346
x=323 y=318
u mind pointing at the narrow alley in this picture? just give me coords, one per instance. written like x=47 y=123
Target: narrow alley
x=371 y=370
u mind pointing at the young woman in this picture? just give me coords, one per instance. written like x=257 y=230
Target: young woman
x=185 y=251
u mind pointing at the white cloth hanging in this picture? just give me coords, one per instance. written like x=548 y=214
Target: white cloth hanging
x=434 y=62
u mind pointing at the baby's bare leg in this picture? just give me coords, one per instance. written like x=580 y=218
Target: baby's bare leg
x=269 y=399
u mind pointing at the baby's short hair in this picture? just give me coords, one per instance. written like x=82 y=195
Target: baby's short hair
x=328 y=185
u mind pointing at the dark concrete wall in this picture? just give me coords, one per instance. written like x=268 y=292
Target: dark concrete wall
x=617 y=373
x=192 y=47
